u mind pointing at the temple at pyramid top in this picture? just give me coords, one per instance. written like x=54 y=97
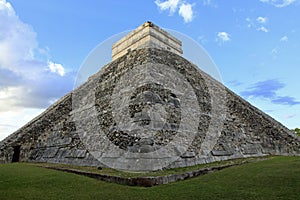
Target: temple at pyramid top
x=146 y=35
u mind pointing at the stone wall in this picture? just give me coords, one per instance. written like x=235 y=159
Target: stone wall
x=227 y=126
x=50 y=137
x=145 y=36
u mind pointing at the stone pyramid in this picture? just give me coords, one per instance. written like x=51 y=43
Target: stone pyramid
x=149 y=109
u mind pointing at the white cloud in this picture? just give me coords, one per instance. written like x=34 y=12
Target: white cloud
x=257 y=23
x=262 y=20
x=263 y=29
x=186 y=12
x=185 y=9
x=171 y=5
x=6 y=7
x=27 y=84
x=17 y=39
x=279 y=3
x=284 y=39
x=12 y=119
x=223 y=36
x=56 y=68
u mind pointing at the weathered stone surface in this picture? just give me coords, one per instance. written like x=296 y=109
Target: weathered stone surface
x=76 y=153
x=50 y=152
x=228 y=127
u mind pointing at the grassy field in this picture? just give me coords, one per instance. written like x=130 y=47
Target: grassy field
x=274 y=178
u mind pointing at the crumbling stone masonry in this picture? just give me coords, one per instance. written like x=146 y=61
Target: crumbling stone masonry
x=194 y=117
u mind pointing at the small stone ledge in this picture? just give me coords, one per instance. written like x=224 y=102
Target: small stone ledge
x=221 y=153
x=146 y=181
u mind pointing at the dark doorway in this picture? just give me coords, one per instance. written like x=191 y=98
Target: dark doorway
x=16 y=156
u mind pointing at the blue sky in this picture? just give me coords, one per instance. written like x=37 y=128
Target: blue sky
x=254 y=43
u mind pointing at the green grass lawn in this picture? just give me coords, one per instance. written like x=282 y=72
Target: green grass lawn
x=274 y=178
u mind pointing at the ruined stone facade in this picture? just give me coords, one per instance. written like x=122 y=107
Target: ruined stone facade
x=126 y=112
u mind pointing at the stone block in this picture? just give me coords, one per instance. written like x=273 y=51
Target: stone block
x=50 y=152
x=188 y=154
x=221 y=153
x=76 y=153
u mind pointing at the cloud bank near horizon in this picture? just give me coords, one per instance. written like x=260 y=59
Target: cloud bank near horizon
x=27 y=84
